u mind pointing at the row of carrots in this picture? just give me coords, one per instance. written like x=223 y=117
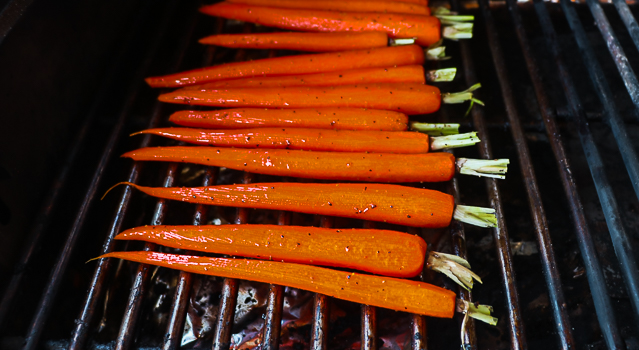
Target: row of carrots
x=340 y=114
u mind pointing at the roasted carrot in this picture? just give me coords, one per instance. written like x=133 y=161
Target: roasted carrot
x=382 y=6
x=412 y=74
x=318 y=139
x=425 y=29
x=342 y=166
x=405 y=98
x=388 y=292
x=382 y=252
x=301 y=64
x=315 y=118
x=314 y=42
x=375 y=202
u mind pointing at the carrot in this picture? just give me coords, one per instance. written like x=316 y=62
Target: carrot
x=301 y=64
x=316 y=118
x=375 y=202
x=383 y=252
x=425 y=29
x=317 y=139
x=412 y=74
x=405 y=98
x=382 y=6
x=316 y=42
x=342 y=166
x=388 y=292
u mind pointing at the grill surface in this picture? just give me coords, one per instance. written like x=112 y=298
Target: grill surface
x=559 y=270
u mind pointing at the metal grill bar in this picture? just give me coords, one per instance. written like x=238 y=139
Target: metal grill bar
x=321 y=309
x=504 y=255
x=369 y=316
x=619 y=56
x=594 y=273
x=551 y=274
x=628 y=19
x=604 y=191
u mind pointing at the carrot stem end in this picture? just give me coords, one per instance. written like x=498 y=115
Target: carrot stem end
x=477 y=311
x=495 y=168
x=441 y=75
x=478 y=216
x=454 y=141
x=456 y=268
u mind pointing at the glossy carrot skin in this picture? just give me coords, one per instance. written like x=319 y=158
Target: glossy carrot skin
x=314 y=118
x=382 y=252
x=301 y=64
x=387 y=292
x=343 y=6
x=412 y=74
x=394 y=204
x=302 y=139
x=405 y=98
x=313 y=42
x=426 y=29
x=341 y=166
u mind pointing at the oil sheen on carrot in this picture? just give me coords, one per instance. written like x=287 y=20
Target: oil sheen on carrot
x=413 y=74
x=340 y=166
x=313 y=42
x=382 y=252
x=383 y=6
x=406 y=98
x=425 y=29
x=314 y=118
x=303 y=139
x=402 y=205
x=300 y=64
x=387 y=292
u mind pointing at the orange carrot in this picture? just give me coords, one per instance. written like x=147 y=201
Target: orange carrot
x=375 y=202
x=316 y=42
x=412 y=74
x=426 y=29
x=382 y=6
x=301 y=64
x=387 y=292
x=315 y=118
x=304 y=139
x=382 y=252
x=405 y=98
x=342 y=166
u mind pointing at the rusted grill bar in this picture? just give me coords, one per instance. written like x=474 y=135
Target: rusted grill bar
x=607 y=198
x=596 y=280
x=516 y=326
x=549 y=263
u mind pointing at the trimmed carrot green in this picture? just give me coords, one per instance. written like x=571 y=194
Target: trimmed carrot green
x=383 y=6
x=387 y=292
x=300 y=64
x=413 y=74
x=405 y=98
x=340 y=166
x=303 y=139
x=382 y=252
x=394 y=204
x=426 y=29
x=314 y=42
x=314 y=118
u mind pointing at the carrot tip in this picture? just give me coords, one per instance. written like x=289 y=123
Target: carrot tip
x=114 y=186
x=454 y=267
x=478 y=216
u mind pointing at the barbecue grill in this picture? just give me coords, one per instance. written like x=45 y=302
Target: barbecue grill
x=560 y=268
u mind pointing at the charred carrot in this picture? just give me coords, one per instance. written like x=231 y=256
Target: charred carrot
x=314 y=118
x=375 y=202
x=425 y=29
x=405 y=98
x=301 y=64
x=314 y=42
x=388 y=292
x=341 y=166
x=382 y=6
x=318 y=140
x=383 y=252
x=412 y=74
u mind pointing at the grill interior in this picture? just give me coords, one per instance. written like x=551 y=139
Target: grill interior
x=52 y=299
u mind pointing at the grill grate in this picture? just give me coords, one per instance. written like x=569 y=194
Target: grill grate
x=509 y=291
